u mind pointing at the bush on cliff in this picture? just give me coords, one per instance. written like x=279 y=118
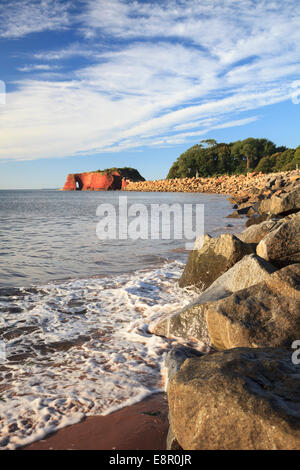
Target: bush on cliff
x=129 y=173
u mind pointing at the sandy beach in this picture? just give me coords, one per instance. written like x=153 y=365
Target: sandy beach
x=143 y=426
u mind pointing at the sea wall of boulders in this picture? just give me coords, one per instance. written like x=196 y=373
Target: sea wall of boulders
x=252 y=184
x=243 y=392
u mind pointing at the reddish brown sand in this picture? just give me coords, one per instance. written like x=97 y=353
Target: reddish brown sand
x=143 y=426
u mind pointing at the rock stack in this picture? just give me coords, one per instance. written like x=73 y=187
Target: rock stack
x=94 y=181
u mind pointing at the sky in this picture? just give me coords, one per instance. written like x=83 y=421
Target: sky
x=93 y=84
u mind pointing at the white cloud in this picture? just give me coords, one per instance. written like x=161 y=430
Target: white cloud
x=175 y=70
x=21 y=17
x=230 y=30
x=224 y=125
x=67 y=52
x=38 y=68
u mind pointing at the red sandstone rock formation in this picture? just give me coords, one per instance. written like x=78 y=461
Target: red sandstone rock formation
x=94 y=181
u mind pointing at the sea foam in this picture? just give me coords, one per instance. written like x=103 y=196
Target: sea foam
x=82 y=348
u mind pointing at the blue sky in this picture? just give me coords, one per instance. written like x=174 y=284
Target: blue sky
x=97 y=83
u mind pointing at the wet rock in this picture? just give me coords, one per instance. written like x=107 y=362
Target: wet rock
x=246 y=209
x=242 y=399
x=234 y=215
x=257 y=219
x=215 y=257
x=251 y=212
x=191 y=323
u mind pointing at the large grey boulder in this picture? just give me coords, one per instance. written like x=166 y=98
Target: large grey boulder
x=255 y=233
x=282 y=204
x=216 y=256
x=265 y=314
x=282 y=245
x=247 y=272
x=242 y=399
x=172 y=363
x=191 y=323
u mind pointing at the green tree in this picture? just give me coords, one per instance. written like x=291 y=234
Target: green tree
x=187 y=164
x=284 y=160
x=296 y=159
x=267 y=164
x=252 y=150
x=225 y=163
x=211 y=158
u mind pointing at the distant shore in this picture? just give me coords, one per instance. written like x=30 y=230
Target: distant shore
x=232 y=185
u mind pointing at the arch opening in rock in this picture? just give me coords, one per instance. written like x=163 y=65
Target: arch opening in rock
x=78 y=183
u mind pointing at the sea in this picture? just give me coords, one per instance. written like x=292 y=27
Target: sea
x=75 y=309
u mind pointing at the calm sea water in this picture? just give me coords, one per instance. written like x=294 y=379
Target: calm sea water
x=75 y=311
x=50 y=235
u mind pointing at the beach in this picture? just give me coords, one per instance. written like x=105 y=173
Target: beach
x=76 y=310
x=143 y=426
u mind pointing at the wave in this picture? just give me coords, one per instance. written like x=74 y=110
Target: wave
x=82 y=347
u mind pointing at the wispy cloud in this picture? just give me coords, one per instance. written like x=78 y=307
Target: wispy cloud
x=21 y=17
x=67 y=52
x=38 y=68
x=230 y=30
x=174 y=70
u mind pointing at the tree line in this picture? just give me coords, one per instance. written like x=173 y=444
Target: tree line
x=210 y=158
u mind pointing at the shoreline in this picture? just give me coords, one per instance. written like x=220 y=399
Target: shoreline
x=137 y=430
x=142 y=426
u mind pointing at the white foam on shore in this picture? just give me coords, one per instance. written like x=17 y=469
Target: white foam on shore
x=82 y=348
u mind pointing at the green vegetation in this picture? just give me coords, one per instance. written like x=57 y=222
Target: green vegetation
x=210 y=158
x=129 y=173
